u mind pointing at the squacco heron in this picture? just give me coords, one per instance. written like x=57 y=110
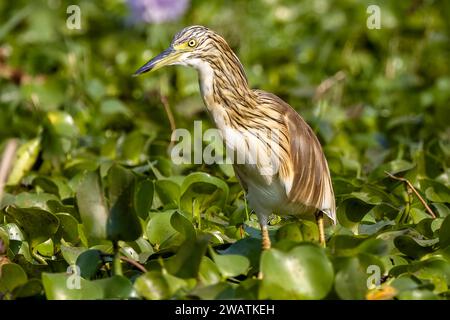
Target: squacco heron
x=288 y=175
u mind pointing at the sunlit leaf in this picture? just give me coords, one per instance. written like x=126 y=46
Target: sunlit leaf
x=302 y=273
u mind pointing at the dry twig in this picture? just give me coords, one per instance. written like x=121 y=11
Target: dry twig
x=134 y=263
x=5 y=163
x=170 y=116
x=411 y=187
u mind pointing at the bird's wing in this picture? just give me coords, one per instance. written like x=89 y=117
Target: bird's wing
x=311 y=183
x=307 y=179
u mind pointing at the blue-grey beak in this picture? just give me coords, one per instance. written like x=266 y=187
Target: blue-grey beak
x=167 y=57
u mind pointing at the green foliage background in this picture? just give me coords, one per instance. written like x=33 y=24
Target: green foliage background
x=93 y=174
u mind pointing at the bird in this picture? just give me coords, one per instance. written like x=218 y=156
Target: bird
x=283 y=169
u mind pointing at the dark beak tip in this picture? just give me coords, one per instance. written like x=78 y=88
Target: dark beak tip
x=140 y=71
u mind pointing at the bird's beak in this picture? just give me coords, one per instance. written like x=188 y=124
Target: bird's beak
x=165 y=58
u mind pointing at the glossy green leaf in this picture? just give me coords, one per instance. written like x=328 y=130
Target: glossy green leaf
x=444 y=233
x=35 y=200
x=46 y=248
x=408 y=246
x=209 y=272
x=247 y=247
x=352 y=210
x=204 y=189
x=152 y=286
x=168 y=193
x=68 y=228
x=230 y=265
x=11 y=276
x=32 y=287
x=63 y=286
x=70 y=254
x=160 y=231
x=89 y=262
x=304 y=272
x=144 y=198
x=92 y=205
x=39 y=225
x=123 y=223
x=186 y=262
x=116 y=287
x=25 y=157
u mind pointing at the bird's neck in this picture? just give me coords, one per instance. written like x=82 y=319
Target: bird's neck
x=223 y=83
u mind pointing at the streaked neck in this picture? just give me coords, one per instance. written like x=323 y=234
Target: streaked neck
x=222 y=81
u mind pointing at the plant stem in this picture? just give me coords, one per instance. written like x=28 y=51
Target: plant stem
x=117 y=266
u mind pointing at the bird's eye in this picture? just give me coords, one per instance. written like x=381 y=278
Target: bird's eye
x=192 y=43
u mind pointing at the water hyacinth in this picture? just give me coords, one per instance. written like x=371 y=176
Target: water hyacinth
x=157 y=11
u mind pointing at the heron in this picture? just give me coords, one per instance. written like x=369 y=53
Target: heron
x=284 y=171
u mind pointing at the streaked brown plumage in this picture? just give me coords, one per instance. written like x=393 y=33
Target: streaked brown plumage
x=289 y=174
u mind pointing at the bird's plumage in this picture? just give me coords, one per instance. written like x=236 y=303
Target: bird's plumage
x=285 y=170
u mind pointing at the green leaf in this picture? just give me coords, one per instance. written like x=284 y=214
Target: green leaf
x=11 y=277
x=111 y=106
x=209 y=272
x=435 y=191
x=144 y=198
x=68 y=228
x=247 y=247
x=35 y=200
x=182 y=225
x=115 y=287
x=62 y=286
x=444 y=233
x=351 y=211
x=39 y=225
x=408 y=246
x=92 y=206
x=393 y=167
x=152 y=286
x=203 y=189
x=186 y=262
x=71 y=254
x=419 y=294
x=435 y=270
x=62 y=124
x=46 y=248
x=123 y=223
x=351 y=280
x=230 y=265
x=24 y=160
x=160 y=231
x=168 y=192
x=32 y=287
x=132 y=147
x=302 y=273
x=355 y=274
x=291 y=232
x=89 y=263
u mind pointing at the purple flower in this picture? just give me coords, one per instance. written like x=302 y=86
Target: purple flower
x=157 y=11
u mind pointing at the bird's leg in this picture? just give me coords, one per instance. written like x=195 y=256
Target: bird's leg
x=319 y=220
x=265 y=243
x=265 y=237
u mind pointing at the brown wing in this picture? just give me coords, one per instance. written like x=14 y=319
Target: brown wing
x=308 y=177
x=312 y=182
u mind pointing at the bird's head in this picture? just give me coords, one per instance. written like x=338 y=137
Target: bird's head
x=191 y=46
x=200 y=48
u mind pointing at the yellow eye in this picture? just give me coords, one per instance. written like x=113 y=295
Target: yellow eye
x=192 y=43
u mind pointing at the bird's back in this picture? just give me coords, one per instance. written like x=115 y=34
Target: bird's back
x=302 y=174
